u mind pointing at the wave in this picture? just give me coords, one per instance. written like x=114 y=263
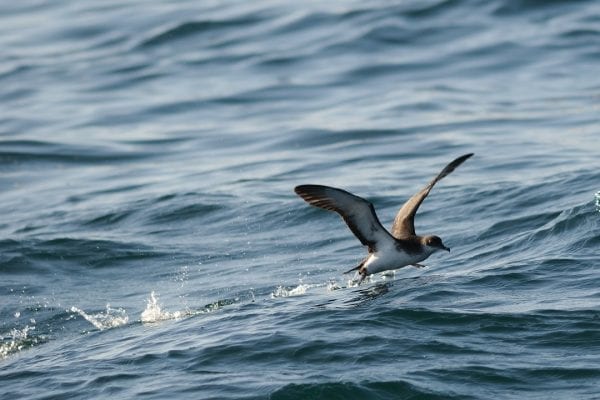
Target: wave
x=359 y=390
x=36 y=255
x=197 y=28
x=14 y=153
x=518 y=7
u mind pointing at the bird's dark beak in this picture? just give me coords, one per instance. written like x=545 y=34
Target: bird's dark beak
x=446 y=248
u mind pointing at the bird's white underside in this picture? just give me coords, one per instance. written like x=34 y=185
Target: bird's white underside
x=388 y=258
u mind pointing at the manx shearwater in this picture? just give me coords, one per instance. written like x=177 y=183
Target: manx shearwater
x=387 y=250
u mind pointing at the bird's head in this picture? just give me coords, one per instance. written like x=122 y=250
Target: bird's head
x=433 y=243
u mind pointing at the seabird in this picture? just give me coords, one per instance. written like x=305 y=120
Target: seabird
x=387 y=251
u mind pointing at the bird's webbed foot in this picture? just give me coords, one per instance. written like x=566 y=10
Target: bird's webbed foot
x=363 y=275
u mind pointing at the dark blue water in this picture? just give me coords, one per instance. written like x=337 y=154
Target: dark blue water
x=151 y=244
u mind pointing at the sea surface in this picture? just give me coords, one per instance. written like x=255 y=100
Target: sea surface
x=152 y=247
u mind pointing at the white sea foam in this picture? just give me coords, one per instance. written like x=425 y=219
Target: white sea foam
x=111 y=318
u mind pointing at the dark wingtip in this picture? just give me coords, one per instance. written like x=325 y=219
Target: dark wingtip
x=303 y=190
x=305 y=187
x=315 y=195
x=464 y=157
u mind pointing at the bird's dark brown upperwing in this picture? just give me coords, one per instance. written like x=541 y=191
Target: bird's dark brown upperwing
x=404 y=223
x=357 y=212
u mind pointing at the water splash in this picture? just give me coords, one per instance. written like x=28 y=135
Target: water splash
x=598 y=201
x=155 y=313
x=357 y=280
x=302 y=288
x=331 y=285
x=17 y=340
x=219 y=304
x=282 y=291
x=111 y=318
x=182 y=276
x=388 y=275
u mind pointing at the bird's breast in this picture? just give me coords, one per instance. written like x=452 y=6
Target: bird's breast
x=386 y=260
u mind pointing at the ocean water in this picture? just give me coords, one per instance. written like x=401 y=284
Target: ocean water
x=151 y=244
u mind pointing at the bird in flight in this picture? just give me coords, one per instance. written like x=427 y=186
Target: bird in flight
x=387 y=251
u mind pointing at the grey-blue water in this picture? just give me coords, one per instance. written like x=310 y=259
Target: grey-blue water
x=151 y=244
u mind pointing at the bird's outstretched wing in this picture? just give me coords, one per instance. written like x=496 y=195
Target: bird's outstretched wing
x=404 y=223
x=357 y=212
